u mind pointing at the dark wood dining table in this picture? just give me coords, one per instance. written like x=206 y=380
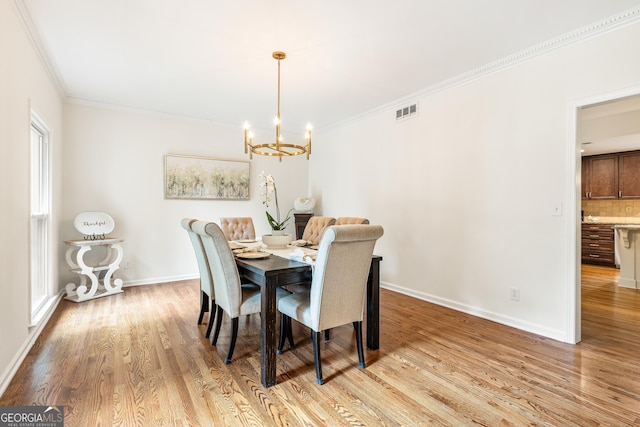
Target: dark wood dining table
x=275 y=271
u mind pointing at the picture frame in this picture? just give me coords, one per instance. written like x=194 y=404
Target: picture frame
x=205 y=178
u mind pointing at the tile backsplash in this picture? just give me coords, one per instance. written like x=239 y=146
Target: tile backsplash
x=618 y=211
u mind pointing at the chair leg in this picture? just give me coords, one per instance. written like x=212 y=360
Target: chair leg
x=290 y=333
x=214 y=339
x=204 y=306
x=316 y=356
x=232 y=344
x=283 y=332
x=327 y=333
x=212 y=317
x=286 y=331
x=358 y=327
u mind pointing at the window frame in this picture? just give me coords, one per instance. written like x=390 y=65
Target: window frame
x=40 y=178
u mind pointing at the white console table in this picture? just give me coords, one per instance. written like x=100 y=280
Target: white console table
x=100 y=286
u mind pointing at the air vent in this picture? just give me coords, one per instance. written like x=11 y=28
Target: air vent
x=407 y=112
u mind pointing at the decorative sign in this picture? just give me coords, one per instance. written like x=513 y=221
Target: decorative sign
x=94 y=225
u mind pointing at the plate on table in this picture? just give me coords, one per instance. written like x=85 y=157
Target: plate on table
x=253 y=255
x=234 y=245
x=246 y=241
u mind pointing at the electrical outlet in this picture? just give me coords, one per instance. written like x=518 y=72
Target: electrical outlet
x=515 y=294
x=628 y=209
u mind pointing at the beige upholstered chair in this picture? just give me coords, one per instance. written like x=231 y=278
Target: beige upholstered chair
x=233 y=298
x=238 y=228
x=207 y=294
x=338 y=287
x=351 y=220
x=344 y=220
x=315 y=227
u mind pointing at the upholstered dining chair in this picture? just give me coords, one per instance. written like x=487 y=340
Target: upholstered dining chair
x=231 y=297
x=207 y=295
x=315 y=227
x=338 y=288
x=351 y=220
x=344 y=220
x=238 y=228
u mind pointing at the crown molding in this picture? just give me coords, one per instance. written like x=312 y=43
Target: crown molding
x=612 y=23
x=38 y=46
x=106 y=105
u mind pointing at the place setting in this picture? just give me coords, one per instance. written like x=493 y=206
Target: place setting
x=254 y=252
x=301 y=243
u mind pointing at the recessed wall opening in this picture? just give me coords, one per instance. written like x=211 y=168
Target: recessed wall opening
x=604 y=126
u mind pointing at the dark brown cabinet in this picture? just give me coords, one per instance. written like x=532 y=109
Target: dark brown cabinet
x=611 y=176
x=301 y=220
x=598 y=244
x=629 y=175
x=600 y=177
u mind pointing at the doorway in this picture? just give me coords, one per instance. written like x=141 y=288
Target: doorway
x=605 y=124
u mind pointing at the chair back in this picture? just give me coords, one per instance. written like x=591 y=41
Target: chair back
x=315 y=227
x=238 y=228
x=222 y=264
x=351 y=220
x=206 y=280
x=338 y=287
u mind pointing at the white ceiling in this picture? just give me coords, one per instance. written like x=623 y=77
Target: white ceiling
x=610 y=127
x=211 y=60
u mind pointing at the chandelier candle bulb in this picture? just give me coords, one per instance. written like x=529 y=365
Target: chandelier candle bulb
x=307 y=137
x=246 y=131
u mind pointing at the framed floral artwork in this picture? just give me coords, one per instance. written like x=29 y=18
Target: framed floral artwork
x=191 y=177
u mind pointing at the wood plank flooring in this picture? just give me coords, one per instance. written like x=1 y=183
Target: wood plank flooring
x=138 y=359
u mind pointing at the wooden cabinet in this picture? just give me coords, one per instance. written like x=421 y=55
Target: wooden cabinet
x=611 y=176
x=629 y=175
x=600 y=177
x=598 y=244
x=301 y=220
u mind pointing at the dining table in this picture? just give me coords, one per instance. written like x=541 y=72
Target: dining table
x=279 y=269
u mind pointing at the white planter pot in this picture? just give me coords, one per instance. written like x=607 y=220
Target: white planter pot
x=276 y=242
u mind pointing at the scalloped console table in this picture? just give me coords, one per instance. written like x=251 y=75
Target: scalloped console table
x=100 y=275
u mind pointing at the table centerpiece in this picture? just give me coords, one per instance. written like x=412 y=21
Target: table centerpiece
x=268 y=193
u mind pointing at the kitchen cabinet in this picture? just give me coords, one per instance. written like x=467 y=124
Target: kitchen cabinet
x=598 y=244
x=611 y=176
x=600 y=177
x=629 y=175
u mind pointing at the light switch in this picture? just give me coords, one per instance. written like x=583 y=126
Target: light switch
x=557 y=209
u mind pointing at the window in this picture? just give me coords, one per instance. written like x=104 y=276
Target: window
x=40 y=270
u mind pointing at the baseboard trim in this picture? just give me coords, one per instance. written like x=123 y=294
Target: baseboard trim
x=512 y=322
x=156 y=280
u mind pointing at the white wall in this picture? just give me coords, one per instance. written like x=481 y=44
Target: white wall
x=466 y=190
x=24 y=84
x=114 y=162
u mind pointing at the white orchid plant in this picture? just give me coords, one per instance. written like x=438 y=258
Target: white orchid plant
x=269 y=192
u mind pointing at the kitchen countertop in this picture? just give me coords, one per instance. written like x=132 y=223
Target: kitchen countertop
x=627 y=226
x=612 y=220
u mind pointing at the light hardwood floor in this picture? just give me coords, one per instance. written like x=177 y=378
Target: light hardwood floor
x=138 y=358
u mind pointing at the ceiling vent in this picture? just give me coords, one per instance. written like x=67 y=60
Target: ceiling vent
x=407 y=112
